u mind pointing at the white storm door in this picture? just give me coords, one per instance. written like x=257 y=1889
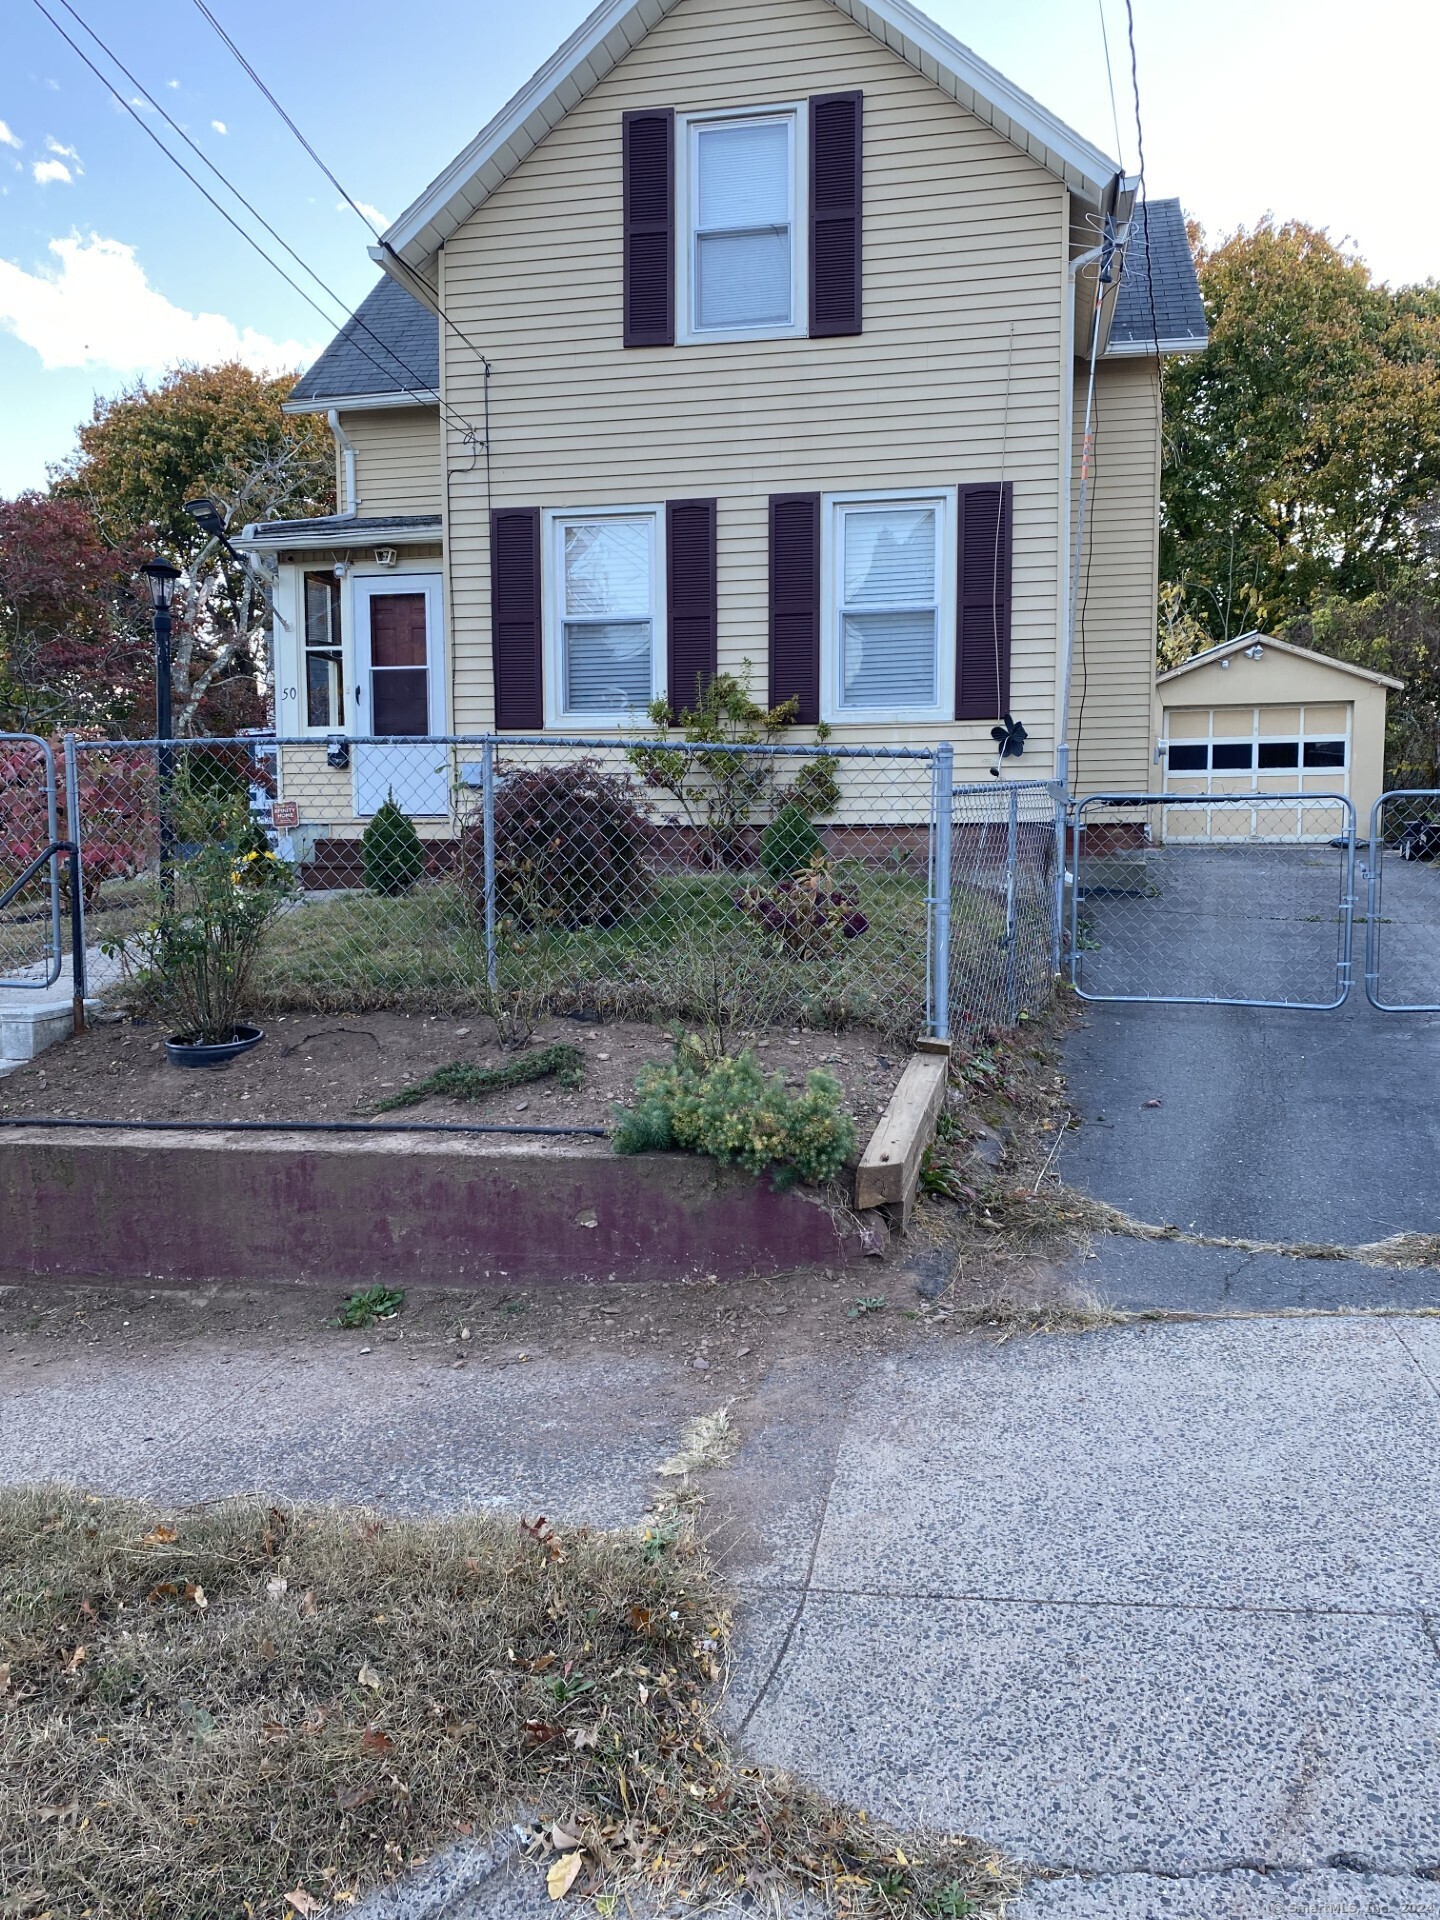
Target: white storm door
x=400 y=695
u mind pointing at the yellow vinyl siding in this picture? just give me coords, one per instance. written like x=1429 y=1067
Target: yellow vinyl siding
x=397 y=459
x=1111 y=688
x=955 y=378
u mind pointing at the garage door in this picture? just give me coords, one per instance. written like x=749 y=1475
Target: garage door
x=1267 y=751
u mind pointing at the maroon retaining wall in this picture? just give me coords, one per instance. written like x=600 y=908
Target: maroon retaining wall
x=181 y=1210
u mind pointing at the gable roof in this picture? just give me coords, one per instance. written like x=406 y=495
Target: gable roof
x=1178 y=324
x=387 y=353
x=1238 y=645
x=616 y=27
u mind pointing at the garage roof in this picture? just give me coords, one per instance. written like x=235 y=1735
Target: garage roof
x=1244 y=640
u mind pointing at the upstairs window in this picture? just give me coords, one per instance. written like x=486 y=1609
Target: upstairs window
x=324 y=660
x=743 y=267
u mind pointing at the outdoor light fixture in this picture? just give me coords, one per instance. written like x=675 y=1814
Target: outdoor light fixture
x=210 y=518
x=160 y=578
x=1256 y=652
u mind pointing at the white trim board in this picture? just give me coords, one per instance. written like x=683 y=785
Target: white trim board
x=617 y=27
x=1243 y=640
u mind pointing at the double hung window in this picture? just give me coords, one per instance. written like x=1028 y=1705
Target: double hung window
x=744 y=266
x=891 y=610
x=606 y=647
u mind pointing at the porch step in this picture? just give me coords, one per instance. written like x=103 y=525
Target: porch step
x=28 y=1025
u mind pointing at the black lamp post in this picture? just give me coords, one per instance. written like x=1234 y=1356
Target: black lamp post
x=160 y=578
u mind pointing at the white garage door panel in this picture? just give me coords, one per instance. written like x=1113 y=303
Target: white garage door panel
x=1262 y=750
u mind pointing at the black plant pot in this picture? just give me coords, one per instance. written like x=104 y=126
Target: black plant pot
x=186 y=1051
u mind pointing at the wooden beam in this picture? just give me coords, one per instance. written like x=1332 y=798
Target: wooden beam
x=889 y=1171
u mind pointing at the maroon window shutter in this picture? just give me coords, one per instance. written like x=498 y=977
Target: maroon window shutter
x=795 y=603
x=982 y=639
x=515 y=618
x=649 y=215
x=836 y=170
x=692 y=602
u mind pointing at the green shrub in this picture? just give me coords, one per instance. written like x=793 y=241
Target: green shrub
x=730 y=1110
x=790 y=844
x=391 y=852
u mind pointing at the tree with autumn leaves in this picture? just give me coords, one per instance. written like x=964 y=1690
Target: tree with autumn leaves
x=74 y=625
x=1301 y=490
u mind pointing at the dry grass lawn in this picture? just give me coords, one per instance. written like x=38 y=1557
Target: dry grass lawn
x=242 y=1713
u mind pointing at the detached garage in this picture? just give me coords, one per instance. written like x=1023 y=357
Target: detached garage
x=1259 y=716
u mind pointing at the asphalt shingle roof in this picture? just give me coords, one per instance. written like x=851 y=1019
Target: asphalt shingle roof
x=408 y=360
x=360 y=531
x=1179 y=310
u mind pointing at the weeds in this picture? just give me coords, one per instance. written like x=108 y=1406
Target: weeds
x=458 y=1081
x=363 y=1309
x=871 y=1303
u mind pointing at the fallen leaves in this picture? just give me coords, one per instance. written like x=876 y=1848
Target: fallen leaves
x=159 y=1536
x=368 y=1677
x=304 y=1902
x=563 y=1874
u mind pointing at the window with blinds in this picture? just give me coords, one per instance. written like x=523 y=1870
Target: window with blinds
x=745 y=258
x=605 y=571
x=324 y=658
x=888 y=572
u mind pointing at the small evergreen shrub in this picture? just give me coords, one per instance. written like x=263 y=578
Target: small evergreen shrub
x=569 y=849
x=790 y=844
x=390 y=851
x=728 y=1109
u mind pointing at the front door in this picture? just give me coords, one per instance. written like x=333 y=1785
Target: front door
x=399 y=696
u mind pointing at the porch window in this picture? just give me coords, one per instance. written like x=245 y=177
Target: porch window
x=324 y=659
x=887 y=569
x=606 y=649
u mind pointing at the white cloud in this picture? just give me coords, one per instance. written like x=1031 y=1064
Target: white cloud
x=52 y=145
x=172 y=83
x=372 y=214
x=9 y=139
x=219 y=126
x=46 y=171
x=95 y=308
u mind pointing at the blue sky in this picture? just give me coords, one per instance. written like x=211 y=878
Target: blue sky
x=111 y=265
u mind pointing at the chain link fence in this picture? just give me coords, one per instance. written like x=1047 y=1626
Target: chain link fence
x=1402 y=955
x=1243 y=900
x=31 y=933
x=1004 y=943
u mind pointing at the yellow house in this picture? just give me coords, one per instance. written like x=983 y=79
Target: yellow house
x=751 y=336
x=1260 y=716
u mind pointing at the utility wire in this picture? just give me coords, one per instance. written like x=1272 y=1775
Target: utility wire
x=1140 y=150
x=427 y=292
x=225 y=214
x=1110 y=82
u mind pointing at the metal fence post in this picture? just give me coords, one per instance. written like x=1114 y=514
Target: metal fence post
x=940 y=893
x=1061 y=802
x=73 y=833
x=487 y=804
x=1012 y=860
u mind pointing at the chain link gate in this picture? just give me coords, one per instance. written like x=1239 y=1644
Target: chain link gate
x=31 y=951
x=1402 y=917
x=1214 y=899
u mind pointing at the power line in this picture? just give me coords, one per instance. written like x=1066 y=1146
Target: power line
x=225 y=214
x=1110 y=82
x=1140 y=151
x=427 y=293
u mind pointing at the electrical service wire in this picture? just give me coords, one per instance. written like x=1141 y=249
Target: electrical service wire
x=427 y=293
x=421 y=386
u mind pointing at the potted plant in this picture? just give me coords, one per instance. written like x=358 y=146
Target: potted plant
x=198 y=955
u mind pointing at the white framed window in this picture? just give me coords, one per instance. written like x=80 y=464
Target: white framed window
x=743 y=267
x=322 y=654
x=888 y=607
x=604 y=599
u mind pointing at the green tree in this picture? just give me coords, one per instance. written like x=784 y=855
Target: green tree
x=1302 y=448
x=1396 y=633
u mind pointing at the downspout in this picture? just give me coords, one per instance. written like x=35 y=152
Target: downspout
x=349 y=504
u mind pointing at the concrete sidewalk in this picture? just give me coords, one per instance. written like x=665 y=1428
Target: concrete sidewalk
x=1153 y=1609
